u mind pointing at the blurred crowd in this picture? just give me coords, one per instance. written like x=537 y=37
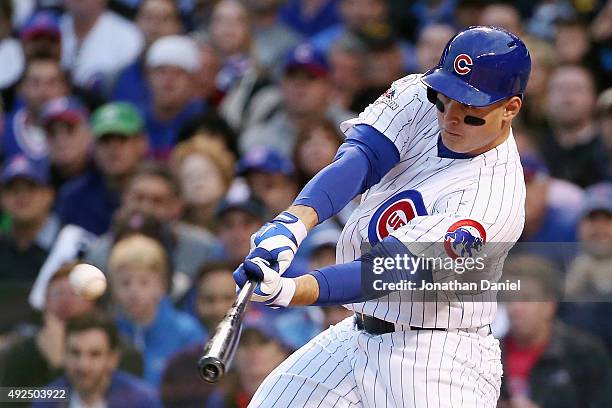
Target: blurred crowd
x=151 y=138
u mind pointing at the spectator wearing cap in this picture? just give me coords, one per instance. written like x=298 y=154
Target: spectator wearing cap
x=42 y=81
x=172 y=65
x=152 y=194
x=204 y=171
x=41 y=35
x=155 y=19
x=589 y=280
x=270 y=176
x=552 y=205
x=246 y=95
x=26 y=198
x=69 y=139
x=591 y=272
x=262 y=348
x=120 y=145
x=238 y=218
x=306 y=97
x=572 y=146
x=96 y=43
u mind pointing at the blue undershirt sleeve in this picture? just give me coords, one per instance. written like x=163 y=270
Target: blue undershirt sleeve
x=343 y=283
x=362 y=160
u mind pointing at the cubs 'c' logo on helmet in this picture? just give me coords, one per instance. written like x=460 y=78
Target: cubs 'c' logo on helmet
x=394 y=213
x=462 y=64
x=463 y=237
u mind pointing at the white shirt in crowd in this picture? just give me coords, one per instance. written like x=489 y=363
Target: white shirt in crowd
x=111 y=44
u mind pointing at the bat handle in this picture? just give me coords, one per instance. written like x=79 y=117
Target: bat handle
x=220 y=349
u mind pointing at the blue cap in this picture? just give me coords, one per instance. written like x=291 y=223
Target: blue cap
x=278 y=327
x=267 y=330
x=248 y=204
x=66 y=109
x=308 y=58
x=598 y=197
x=266 y=161
x=19 y=166
x=42 y=23
x=533 y=166
x=481 y=66
x=326 y=237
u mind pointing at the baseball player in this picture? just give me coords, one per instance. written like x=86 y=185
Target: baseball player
x=434 y=159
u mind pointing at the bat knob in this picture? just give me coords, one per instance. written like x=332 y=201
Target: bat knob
x=211 y=369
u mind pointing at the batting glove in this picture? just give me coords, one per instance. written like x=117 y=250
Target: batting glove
x=272 y=289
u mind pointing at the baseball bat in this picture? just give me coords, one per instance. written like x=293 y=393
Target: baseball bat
x=220 y=349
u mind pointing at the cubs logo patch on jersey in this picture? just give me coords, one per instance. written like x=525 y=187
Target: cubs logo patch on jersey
x=394 y=213
x=463 y=238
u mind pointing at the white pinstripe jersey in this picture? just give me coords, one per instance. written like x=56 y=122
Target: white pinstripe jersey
x=423 y=197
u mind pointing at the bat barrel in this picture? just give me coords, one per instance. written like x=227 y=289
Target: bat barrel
x=220 y=349
x=211 y=369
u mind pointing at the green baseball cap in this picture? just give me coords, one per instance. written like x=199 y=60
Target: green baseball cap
x=118 y=118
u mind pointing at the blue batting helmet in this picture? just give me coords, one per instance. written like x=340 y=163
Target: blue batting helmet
x=480 y=66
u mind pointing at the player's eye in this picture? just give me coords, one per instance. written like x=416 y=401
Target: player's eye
x=473 y=120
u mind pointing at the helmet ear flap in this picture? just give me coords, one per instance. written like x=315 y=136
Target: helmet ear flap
x=432 y=96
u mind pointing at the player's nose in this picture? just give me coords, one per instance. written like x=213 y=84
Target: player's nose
x=453 y=112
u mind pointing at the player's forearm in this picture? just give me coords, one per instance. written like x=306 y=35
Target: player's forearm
x=306 y=214
x=306 y=291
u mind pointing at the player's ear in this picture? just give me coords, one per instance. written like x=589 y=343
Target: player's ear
x=512 y=107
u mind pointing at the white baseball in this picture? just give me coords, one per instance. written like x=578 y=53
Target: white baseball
x=87 y=281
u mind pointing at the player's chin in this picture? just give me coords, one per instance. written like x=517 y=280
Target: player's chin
x=455 y=142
